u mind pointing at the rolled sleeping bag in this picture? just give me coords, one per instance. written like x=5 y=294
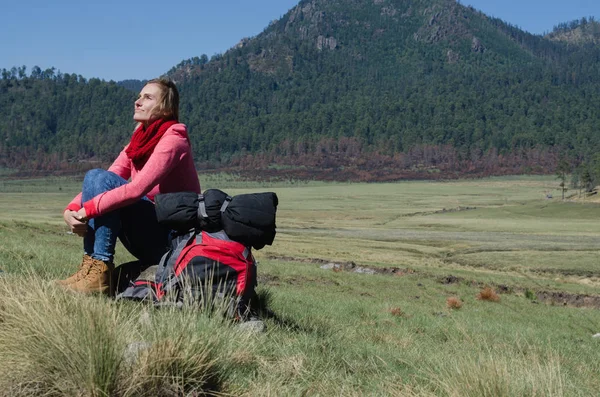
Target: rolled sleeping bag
x=250 y=219
x=183 y=211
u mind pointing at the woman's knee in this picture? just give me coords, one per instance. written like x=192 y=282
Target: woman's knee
x=93 y=175
x=98 y=181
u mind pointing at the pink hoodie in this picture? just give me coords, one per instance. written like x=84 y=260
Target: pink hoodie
x=169 y=169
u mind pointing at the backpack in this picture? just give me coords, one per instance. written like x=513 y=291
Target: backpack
x=210 y=254
x=200 y=265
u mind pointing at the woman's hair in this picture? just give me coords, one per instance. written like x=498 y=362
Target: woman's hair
x=168 y=107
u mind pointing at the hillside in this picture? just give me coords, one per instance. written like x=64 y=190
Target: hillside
x=385 y=89
x=582 y=32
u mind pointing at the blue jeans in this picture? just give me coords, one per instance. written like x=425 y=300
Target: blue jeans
x=135 y=225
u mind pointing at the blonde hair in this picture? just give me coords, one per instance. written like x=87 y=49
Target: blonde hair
x=168 y=106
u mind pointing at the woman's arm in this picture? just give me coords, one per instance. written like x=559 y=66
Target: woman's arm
x=166 y=156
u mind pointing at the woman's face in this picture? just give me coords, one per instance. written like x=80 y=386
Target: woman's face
x=146 y=104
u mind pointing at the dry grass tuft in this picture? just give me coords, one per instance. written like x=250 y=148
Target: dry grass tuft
x=397 y=312
x=488 y=294
x=453 y=303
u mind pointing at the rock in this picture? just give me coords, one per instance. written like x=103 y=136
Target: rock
x=253 y=325
x=452 y=57
x=328 y=266
x=477 y=46
x=326 y=42
x=364 y=270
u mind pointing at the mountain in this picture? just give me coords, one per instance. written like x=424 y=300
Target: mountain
x=385 y=89
x=342 y=78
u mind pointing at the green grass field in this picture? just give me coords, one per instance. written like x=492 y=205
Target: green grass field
x=331 y=331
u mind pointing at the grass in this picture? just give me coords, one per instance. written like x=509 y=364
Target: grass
x=58 y=344
x=429 y=329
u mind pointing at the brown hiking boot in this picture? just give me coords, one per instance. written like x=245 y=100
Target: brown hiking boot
x=97 y=279
x=83 y=270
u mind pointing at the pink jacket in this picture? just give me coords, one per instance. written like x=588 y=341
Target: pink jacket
x=169 y=169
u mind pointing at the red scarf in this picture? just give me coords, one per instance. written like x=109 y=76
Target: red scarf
x=144 y=141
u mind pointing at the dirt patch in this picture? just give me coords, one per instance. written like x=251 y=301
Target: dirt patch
x=426 y=213
x=450 y=279
x=267 y=279
x=567 y=272
x=567 y=299
x=296 y=259
x=548 y=297
x=442 y=211
x=354 y=268
x=556 y=298
x=346 y=266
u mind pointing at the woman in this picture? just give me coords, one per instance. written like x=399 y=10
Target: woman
x=158 y=159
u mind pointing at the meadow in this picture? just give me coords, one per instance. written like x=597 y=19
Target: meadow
x=458 y=288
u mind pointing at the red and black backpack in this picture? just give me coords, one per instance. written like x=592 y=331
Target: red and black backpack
x=202 y=265
x=205 y=261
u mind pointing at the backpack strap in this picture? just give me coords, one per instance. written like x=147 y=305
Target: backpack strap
x=165 y=277
x=226 y=203
x=202 y=207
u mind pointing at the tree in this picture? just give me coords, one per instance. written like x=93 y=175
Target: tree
x=22 y=72
x=587 y=180
x=36 y=72
x=576 y=182
x=562 y=170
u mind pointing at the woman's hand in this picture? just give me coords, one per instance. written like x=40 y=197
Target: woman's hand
x=76 y=222
x=81 y=215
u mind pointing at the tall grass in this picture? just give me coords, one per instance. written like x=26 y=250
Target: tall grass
x=496 y=372
x=58 y=343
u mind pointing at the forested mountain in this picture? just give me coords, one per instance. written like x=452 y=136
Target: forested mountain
x=376 y=89
x=53 y=121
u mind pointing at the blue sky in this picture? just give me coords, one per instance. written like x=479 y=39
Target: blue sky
x=537 y=16
x=143 y=39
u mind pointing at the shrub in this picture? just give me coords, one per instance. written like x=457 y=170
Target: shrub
x=488 y=294
x=529 y=294
x=453 y=303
